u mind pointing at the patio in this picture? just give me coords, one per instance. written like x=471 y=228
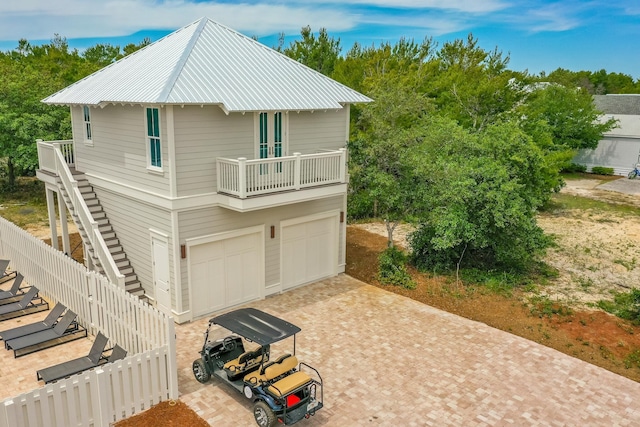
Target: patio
x=388 y=360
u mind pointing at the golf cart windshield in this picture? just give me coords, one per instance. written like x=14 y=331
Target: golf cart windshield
x=256 y=326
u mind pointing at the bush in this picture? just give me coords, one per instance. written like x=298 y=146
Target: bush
x=625 y=305
x=601 y=170
x=574 y=168
x=393 y=269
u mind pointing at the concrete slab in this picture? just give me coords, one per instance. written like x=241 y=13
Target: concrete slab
x=623 y=185
x=388 y=360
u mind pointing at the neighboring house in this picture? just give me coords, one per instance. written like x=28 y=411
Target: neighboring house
x=620 y=147
x=206 y=170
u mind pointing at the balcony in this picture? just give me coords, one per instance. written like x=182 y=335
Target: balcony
x=323 y=174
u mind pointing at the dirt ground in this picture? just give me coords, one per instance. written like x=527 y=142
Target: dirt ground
x=594 y=254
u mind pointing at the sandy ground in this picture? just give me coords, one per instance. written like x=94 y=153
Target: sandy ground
x=595 y=253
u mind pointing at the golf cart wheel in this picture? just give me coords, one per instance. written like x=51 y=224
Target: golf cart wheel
x=200 y=371
x=264 y=415
x=632 y=174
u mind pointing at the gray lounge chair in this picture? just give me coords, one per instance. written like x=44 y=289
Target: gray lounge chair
x=75 y=366
x=29 y=303
x=117 y=353
x=4 y=264
x=12 y=294
x=65 y=330
x=48 y=323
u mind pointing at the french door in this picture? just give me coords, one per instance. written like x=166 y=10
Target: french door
x=271 y=138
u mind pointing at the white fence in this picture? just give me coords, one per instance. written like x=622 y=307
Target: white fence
x=111 y=392
x=244 y=178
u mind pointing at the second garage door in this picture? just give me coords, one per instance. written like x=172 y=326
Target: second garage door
x=225 y=272
x=309 y=249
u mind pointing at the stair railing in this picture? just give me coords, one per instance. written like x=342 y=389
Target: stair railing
x=90 y=226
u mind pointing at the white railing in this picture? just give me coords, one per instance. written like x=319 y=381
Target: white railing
x=56 y=158
x=111 y=392
x=243 y=178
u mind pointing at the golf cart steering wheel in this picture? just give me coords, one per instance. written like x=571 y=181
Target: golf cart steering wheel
x=229 y=344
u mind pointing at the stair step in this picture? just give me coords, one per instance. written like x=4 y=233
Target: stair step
x=105 y=228
x=123 y=263
x=126 y=271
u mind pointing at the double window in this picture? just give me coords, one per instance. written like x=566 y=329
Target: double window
x=153 y=138
x=270 y=138
x=86 y=117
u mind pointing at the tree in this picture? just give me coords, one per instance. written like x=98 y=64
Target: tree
x=382 y=183
x=319 y=53
x=572 y=119
x=485 y=188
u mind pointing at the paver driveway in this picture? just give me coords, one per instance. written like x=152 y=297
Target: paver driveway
x=388 y=360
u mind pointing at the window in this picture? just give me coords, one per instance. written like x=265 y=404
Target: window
x=153 y=137
x=87 y=123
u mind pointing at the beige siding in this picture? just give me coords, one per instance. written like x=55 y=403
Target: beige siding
x=309 y=132
x=203 y=222
x=132 y=220
x=201 y=135
x=119 y=150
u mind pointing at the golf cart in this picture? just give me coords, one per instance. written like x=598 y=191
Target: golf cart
x=282 y=389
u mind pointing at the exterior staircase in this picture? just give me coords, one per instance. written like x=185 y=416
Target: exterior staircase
x=131 y=282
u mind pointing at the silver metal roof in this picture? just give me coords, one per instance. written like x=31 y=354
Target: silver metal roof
x=208 y=63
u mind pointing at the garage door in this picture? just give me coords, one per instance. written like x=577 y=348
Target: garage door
x=309 y=249
x=226 y=272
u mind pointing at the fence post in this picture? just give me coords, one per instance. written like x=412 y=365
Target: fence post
x=103 y=416
x=10 y=411
x=93 y=307
x=242 y=177
x=172 y=362
x=343 y=165
x=296 y=171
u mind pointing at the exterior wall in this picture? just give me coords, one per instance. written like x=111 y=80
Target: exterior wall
x=132 y=220
x=320 y=130
x=201 y=135
x=621 y=154
x=202 y=222
x=119 y=149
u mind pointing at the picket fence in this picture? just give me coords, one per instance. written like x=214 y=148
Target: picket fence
x=111 y=392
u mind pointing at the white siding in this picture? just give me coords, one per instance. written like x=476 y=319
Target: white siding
x=119 y=150
x=203 y=222
x=201 y=135
x=309 y=132
x=621 y=154
x=131 y=221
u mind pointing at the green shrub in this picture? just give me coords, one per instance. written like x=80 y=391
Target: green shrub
x=574 y=168
x=625 y=305
x=393 y=269
x=601 y=170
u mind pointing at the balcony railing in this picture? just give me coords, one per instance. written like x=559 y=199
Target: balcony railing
x=245 y=178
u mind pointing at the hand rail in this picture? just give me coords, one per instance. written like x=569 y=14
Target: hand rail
x=87 y=222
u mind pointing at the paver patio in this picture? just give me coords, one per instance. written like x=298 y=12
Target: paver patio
x=388 y=360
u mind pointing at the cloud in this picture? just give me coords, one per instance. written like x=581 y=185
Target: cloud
x=31 y=19
x=470 y=6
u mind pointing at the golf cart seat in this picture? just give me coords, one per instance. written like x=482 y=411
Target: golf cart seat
x=273 y=371
x=247 y=362
x=288 y=384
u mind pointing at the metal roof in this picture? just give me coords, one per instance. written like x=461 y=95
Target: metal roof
x=208 y=63
x=256 y=325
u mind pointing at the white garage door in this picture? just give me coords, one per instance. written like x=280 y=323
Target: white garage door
x=309 y=249
x=226 y=272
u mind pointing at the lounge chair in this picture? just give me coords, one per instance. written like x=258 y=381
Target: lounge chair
x=75 y=366
x=4 y=264
x=65 y=330
x=117 y=353
x=29 y=303
x=12 y=294
x=48 y=323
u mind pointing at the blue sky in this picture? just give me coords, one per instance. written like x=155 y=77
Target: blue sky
x=539 y=35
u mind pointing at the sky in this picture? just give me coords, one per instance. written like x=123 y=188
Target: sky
x=538 y=35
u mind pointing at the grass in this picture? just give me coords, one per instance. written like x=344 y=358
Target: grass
x=565 y=202
x=26 y=204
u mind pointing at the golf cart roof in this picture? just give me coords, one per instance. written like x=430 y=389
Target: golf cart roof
x=255 y=325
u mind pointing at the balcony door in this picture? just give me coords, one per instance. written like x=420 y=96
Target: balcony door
x=271 y=135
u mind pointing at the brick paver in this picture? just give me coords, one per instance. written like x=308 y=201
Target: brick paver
x=388 y=360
